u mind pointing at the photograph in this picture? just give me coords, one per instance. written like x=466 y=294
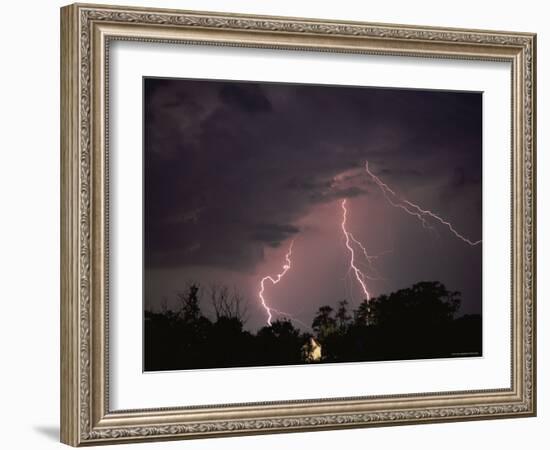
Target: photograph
x=288 y=223
x=272 y=221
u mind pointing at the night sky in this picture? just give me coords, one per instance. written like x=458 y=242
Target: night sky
x=236 y=171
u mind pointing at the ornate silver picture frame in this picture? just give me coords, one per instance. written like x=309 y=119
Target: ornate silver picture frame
x=87 y=415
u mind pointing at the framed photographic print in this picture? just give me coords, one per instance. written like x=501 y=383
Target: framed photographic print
x=275 y=224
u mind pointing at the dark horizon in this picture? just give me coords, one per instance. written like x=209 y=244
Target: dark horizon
x=398 y=326
x=236 y=171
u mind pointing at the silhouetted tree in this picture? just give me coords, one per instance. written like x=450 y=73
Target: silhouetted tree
x=281 y=343
x=228 y=304
x=189 y=301
x=424 y=304
x=343 y=319
x=411 y=323
x=324 y=323
x=363 y=314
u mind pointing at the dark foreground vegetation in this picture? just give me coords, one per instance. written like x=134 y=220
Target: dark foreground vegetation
x=414 y=323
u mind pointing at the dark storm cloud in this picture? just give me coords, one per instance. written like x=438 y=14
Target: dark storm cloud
x=322 y=191
x=459 y=183
x=335 y=194
x=308 y=185
x=402 y=173
x=230 y=167
x=248 y=98
x=273 y=234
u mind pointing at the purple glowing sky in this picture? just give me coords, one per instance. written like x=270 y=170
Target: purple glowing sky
x=236 y=171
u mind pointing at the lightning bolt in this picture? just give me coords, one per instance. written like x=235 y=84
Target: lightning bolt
x=289 y=316
x=359 y=275
x=369 y=258
x=415 y=210
x=274 y=280
x=425 y=216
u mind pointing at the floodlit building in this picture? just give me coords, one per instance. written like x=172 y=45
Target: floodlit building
x=312 y=351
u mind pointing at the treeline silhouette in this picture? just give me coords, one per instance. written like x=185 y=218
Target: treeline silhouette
x=414 y=323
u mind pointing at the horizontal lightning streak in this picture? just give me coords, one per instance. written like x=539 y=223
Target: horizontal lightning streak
x=290 y=316
x=444 y=222
x=415 y=210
